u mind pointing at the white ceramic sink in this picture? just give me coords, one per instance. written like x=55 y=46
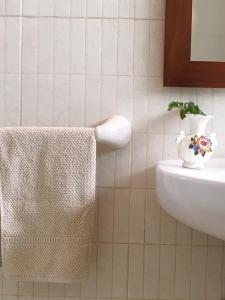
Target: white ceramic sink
x=194 y=197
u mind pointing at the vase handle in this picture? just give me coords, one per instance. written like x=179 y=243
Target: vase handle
x=214 y=140
x=180 y=137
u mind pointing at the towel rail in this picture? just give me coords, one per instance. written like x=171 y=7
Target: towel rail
x=114 y=132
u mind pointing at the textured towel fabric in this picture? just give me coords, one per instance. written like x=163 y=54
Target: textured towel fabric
x=47 y=202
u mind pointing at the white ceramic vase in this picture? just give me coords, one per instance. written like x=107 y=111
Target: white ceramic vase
x=196 y=148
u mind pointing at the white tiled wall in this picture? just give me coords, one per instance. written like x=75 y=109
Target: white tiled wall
x=75 y=63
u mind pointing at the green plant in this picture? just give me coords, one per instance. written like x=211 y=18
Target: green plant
x=185 y=108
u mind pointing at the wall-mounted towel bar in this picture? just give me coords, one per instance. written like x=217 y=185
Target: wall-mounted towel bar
x=114 y=132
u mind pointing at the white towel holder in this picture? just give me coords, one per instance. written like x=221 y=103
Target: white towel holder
x=114 y=132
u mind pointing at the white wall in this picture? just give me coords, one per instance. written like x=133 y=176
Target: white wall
x=75 y=63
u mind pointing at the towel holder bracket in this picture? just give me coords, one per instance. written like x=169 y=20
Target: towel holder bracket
x=114 y=132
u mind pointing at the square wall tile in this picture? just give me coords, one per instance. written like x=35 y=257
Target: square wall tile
x=121 y=216
x=45 y=45
x=152 y=218
x=29 y=45
x=142 y=9
x=46 y=8
x=139 y=157
x=156 y=48
x=12 y=100
x=126 y=8
x=125 y=47
x=110 y=8
x=41 y=289
x=135 y=272
x=104 y=271
x=120 y=264
x=13 y=44
x=105 y=214
x=93 y=46
x=26 y=288
x=141 y=47
x=10 y=287
x=44 y=100
x=137 y=216
x=61 y=45
x=214 y=273
x=109 y=46
x=167 y=271
x=2 y=44
x=198 y=272
x=183 y=272
x=2 y=7
x=62 y=8
x=77 y=46
x=30 y=7
x=168 y=228
x=140 y=104
x=59 y=107
x=151 y=271
x=78 y=8
x=29 y=100
x=76 y=101
x=94 y=8
x=157 y=9
x=13 y=7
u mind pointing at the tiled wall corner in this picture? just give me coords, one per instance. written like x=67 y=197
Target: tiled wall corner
x=75 y=63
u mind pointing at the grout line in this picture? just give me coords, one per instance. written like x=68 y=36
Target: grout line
x=69 y=67
x=116 y=91
x=53 y=67
x=21 y=84
x=114 y=178
x=222 y=271
x=82 y=74
x=175 y=261
x=131 y=142
x=131 y=109
x=100 y=96
x=21 y=68
x=213 y=108
x=206 y=269
x=144 y=245
x=149 y=90
x=129 y=245
x=119 y=298
x=160 y=238
x=85 y=68
x=191 y=263
x=37 y=65
x=74 y=17
x=152 y=244
x=4 y=75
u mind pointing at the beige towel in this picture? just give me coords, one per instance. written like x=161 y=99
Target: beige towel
x=47 y=203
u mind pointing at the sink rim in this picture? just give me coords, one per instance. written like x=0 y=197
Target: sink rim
x=194 y=197
x=214 y=171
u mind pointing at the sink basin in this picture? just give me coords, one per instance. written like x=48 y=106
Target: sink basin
x=194 y=197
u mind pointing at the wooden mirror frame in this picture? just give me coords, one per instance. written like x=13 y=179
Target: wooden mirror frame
x=179 y=70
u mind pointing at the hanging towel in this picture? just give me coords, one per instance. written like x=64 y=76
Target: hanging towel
x=47 y=202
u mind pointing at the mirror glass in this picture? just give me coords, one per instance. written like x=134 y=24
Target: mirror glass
x=208 y=30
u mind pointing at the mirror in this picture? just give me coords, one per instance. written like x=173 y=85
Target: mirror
x=208 y=30
x=194 y=54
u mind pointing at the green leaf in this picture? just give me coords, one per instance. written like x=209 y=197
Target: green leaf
x=185 y=108
x=173 y=105
x=182 y=114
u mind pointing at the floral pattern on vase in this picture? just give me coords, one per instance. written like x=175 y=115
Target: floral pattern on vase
x=200 y=145
x=197 y=147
